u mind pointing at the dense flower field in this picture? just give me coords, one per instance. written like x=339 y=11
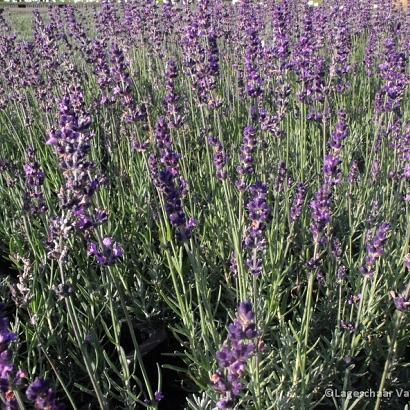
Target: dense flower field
x=205 y=206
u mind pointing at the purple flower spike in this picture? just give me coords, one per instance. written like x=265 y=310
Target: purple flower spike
x=375 y=170
x=7 y=369
x=165 y=174
x=171 y=101
x=349 y=326
x=102 y=72
x=233 y=264
x=201 y=55
x=72 y=145
x=225 y=404
x=52 y=140
x=219 y=158
x=245 y=313
x=281 y=175
x=107 y=242
x=332 y=162
x=233 y=356
x=353 y=173
x=110 y=254
x=43 y=395
x=331 y=169
x=393 y=73
x=34 y=201
x=254 y=241
x=159 y=396
x=401 y=303
x=248 y=149
x=375 y=249
x=298 y=201
x=123 y=84
x=321 y=213
x=340 y=134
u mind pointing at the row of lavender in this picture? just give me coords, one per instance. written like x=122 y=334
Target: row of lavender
x=232 y=177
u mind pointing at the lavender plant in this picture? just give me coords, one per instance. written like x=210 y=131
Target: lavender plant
x=204 y=204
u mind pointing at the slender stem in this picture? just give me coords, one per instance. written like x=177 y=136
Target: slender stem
x=80 y=340
x=133 y=337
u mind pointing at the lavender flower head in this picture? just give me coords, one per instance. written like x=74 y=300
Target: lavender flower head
x=281 y=175
x=248 y=149
x=110 y=253
x=298 y=200
x=254 y=242
x=102 y=72
x=123 y=87
x=254 y=81
x=340 y=66
x=159 y=396
x=6 y=337
x=171 y=101
x=219 y=158
x=340 y=134
x=331 y=169
x=393 y=72
x=7 y=369
x=34 y=201
x=281 y=49
x=33 y=173
x=401 y=303
x=233 y=264
x=375 y=249
x=233 y=356
x=43 y=395
x=349 y=326
x=332 y=162
x=353 y=173
x=72 y=145
x=321 y=213
x=169 y=182
x=201 y=55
